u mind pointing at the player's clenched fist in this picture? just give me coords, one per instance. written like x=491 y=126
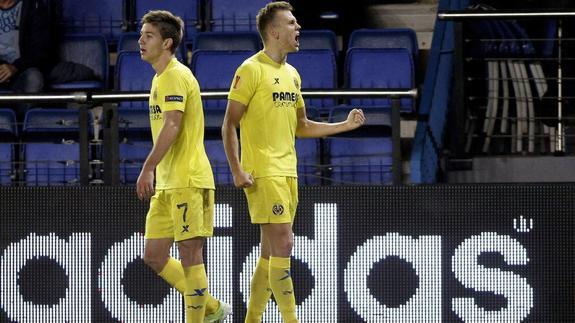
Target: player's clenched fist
x=355 y=118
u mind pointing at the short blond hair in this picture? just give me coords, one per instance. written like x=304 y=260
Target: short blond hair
x=266 y=15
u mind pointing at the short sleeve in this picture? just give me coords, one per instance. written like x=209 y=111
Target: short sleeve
x=244 y=83
x=173 y=90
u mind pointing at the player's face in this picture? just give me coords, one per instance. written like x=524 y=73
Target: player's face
x=288 y=29
x=151 y=43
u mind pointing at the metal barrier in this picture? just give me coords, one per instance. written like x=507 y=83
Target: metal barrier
x=505 y=82
x=84 y=101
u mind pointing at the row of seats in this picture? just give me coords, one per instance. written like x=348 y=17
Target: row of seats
x=113 y=17
x=47 y=150
x=375 y=58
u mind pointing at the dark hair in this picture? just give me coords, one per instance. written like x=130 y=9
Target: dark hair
x=267 y=14
x=169 y=25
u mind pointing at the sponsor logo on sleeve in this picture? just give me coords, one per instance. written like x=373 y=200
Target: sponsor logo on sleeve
x=174 y=98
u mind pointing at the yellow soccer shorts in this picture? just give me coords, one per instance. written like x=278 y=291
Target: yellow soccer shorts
x=272 y=200
x=181 y=214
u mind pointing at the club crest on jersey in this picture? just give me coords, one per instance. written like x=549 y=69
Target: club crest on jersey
x=155 y=94
x=174 y=98
x=237 y=82
x=278 y=209
x=296 y=83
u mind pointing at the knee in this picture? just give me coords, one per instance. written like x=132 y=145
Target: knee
x=191 y=251
x=284 y=245
x=155 y=261
x=32 y=80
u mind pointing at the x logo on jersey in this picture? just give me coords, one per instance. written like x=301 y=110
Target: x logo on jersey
x=276 y=80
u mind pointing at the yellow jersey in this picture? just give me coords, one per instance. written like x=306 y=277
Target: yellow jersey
x=272 y=94
x=186 y=163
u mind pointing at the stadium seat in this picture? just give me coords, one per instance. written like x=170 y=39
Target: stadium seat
x=215 y=71
x=385 y=38
x=232 y=15
x=134 y=124
x=318 y=39
x=106 y=17
x=132 y=156
x=308 y=152
x=239 y=40
x=50 y=148
x=213 y=119
x=188 y=10
x=135 y=142
x=90 y=50
x=8 y=138
x=363 y=156
x=133 y=74
x=373 y=68
x=218 y=161
x=129 y=42
x=317 y=69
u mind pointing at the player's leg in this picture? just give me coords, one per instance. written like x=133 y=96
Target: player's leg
x=159 y=240
x=280 y=237
x=196 y=280
x=260 y=291
x=193 y=218
x=272 y=206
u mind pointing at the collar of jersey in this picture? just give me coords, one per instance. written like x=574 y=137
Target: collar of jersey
x=268 y=59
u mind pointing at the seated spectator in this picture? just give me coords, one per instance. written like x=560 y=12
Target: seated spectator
x=26 y=50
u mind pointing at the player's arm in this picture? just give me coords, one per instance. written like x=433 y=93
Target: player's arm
x=166 y=137
x=311 y=129
x=234 y=112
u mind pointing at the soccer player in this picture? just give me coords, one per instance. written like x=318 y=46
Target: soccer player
x=182 y=202
x=265 y=102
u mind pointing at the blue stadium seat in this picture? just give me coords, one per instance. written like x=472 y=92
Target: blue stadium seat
x=50 y=149
x=132 y=156
x=213 y=119
x=187 y=10
x=90 y=50
x=373 y=68
x=215 y=71
x=8 y=137
x=218 y=161
x=106 y=17
x=318 y=39
x=134 y=124
x=309 y=155
x=133 y=74
x=385 y=38
x=135 y=142
x=129 y=42
x=232 y=15
x=308 y=161
x=239 y=40
x=317 y=69
x=363 y=156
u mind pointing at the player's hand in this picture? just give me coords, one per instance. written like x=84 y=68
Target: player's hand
x=243 y=179
x=355 y=119
x=145 y=185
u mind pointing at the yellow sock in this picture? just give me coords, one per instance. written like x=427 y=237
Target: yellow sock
x=282 y=287
x=195 y=296
x=173 y=273
x=260 y=292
